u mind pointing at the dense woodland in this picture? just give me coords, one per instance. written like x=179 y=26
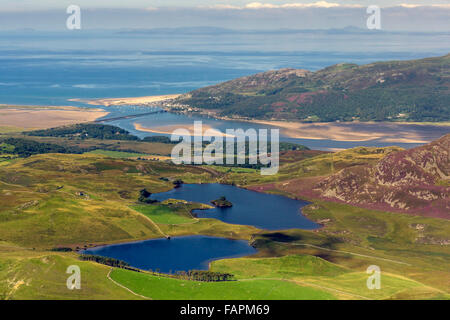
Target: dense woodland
x=86 y=131
x=26 y=148
x=104 y=260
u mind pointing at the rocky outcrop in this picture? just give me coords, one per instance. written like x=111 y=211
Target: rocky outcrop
x=411 y=181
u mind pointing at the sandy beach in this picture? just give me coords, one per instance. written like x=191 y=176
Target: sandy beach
x=351 y=132
x=34 y=117
x=128 y=101
x=169 y=129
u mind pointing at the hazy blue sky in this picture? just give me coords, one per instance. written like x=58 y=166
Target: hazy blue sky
x=52 y=4
x=419 y=15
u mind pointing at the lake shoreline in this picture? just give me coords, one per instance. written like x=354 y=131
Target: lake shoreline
x=201 y=263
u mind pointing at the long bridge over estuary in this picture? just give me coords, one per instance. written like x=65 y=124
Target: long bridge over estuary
x=131 y=116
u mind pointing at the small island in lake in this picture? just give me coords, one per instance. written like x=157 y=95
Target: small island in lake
x=222 y=202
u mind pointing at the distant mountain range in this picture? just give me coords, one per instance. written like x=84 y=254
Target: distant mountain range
x=202 y=30
x=416 y=90
x=411 y=181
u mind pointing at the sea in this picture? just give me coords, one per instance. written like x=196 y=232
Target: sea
x=49 y=68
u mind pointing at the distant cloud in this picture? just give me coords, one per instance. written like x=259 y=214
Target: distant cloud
x=259 y=5
x=407 y=5
x=241 y=14
x=317 y=4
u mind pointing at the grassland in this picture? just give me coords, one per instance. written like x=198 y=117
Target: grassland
x=56 y=200
x=27 y=274
x=135 y=147
x=305 y=166
x=117 y=154
x=316 y=272
x=162 y=214
x=10 y=129
x=253 y=289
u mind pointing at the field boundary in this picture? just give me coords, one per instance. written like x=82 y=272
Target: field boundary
x=346 y=252
x=123 y=287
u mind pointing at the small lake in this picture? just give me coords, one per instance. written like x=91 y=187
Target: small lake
x=264 y=211
x=176 y=254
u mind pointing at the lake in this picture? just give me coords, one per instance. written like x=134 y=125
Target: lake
x=264 y=211
x=176 y=254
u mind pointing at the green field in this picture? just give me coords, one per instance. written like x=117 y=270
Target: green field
x=117 y=154
x=63 y=200
x=253 y=289
x=10 y=129
x=26 y=274
x=314 y=271
x=162 y=214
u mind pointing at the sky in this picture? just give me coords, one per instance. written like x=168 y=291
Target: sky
x=7 y=5
x=397 y=15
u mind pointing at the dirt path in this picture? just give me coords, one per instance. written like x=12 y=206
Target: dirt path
x=346 y=252
x=308 y=284
x=153 y=223
x=122 y=286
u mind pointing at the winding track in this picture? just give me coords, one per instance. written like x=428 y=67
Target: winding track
x=123 y=287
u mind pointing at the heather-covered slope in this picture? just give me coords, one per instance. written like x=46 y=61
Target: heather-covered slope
x=412 y=181
x=416 y=90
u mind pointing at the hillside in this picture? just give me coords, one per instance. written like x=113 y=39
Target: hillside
x=413 y=181
x=53 y=202
x=417 y=90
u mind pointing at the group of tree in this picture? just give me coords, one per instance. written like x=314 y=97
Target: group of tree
x=105 y=260
x=26 y=148
x=159 y=139
x=62 y=249
x=198 y=275
x=86 y=131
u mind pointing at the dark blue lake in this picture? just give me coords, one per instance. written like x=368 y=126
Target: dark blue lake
x=176 y=254
x=264 y=211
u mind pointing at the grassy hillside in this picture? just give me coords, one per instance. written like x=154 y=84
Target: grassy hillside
x=414 y=181
x=51 y=200
x=417 y=90
x=60 y=200
x=26 y=275
x=255 y=289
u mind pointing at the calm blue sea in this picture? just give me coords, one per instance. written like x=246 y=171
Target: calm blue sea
x=48 y=68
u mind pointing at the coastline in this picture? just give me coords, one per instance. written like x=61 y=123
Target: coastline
x=146 y=100
x=44 y=117
x=389 y=132
x=344 y=131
